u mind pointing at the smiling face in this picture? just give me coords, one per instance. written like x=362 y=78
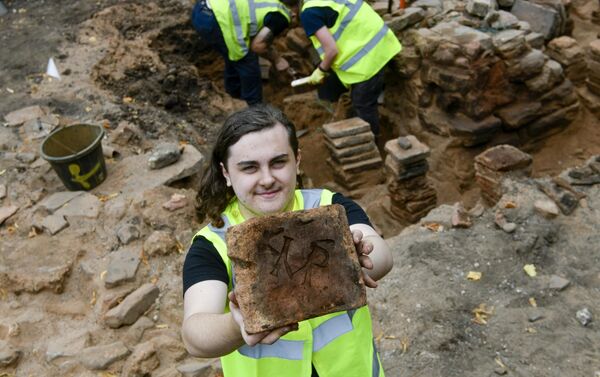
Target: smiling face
x=262 y=169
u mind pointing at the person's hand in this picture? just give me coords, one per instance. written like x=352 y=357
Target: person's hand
x=363 y=249
x=264 y=337
x=281 y=64
x=317 y=76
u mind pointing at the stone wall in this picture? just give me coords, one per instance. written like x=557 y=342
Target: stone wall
x=479 y=73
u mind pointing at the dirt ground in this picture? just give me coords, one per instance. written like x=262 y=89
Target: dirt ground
x=142 y=62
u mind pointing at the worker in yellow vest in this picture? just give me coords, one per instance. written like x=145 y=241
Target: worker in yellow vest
x=239 y=30
x=252 y=172
x=354 y=45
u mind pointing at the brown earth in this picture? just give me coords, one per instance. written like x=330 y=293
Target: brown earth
x=142 y=62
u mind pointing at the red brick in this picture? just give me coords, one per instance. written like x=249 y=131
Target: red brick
x=294 y=266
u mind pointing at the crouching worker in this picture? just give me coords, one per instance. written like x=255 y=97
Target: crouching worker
x=354 y=45
x=239 y=30
x=253 y=172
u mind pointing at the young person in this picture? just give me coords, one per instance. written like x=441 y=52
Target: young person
x=239 y=30
x=253 y=170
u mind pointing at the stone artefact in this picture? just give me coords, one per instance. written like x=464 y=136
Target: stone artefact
x=160 y=242
x=355 y=161
x=132 y=307
x=9 y=355
x=411 y=194
x=163 y=155
x=542 y=18
x=102 y=356
x=494 y=164
x=584 y=316
x=6 y=212
x=558 y=283
x=122 y=267
x=306 y=266
x=18 y=117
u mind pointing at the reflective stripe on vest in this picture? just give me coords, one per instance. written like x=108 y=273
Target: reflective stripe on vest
x=240 y=20
x=347 y=19
x=329 y=330
x=254 y=6
x=237 y=24
x=283 y=349
x=368 y=47
x=365 y=44
x=344 y=23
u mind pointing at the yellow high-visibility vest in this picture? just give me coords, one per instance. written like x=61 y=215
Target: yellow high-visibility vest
x=365 y=44
x=338 y=344
x=240 y=20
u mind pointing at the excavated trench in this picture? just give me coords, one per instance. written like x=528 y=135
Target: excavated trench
x=178 y=77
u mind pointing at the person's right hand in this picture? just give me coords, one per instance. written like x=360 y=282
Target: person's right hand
x=317 y=76
x=265 y=337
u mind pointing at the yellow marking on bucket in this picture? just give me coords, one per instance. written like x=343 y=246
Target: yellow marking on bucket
x=74 y=169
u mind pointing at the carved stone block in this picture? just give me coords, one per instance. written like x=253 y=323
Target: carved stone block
x=294 y=266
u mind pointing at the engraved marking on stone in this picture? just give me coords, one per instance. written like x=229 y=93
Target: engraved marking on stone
x=318 y=257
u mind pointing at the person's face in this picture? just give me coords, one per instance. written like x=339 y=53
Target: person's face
x=262 y=170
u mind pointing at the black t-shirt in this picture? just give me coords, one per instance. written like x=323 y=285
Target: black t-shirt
x=314 y=18
x=276 y=22
x=203 y=261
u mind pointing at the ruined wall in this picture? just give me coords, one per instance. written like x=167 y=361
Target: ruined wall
x=480 y=75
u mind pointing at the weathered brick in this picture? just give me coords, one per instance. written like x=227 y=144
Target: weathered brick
x=348 y=141
x=346 y=127
x=418 y=151
x=294 y=266
x=504 y=158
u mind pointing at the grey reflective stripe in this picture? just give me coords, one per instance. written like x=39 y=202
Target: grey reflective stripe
x=353 y=10
x=375 y=361
x=331 y=329
x=254 y=6
x=312 y=198
x=283 y=349
x=253 y=23
x=345 y=22
x=238 y=26
x=365 y=50
x=222 y=230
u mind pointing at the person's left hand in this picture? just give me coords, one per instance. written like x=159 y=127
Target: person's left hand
x=363 y=249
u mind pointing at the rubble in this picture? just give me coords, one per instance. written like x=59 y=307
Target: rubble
x=122 y=266
x=584 y=316
x=569 y=54
x=102 y=356
x=6 y=212
x=132 y=307
x=163 y=155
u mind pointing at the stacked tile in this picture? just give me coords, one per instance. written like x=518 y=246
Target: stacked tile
x=412 y=196
x=593 y=63
x=590 y=94
x=495 y=164
x=569 y=54
x=355 y=159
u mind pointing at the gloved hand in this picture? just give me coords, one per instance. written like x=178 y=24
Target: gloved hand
x=317 y=76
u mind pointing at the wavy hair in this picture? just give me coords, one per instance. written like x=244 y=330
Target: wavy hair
x=214 y=195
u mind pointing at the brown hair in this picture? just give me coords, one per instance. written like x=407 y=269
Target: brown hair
x=214 y=195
